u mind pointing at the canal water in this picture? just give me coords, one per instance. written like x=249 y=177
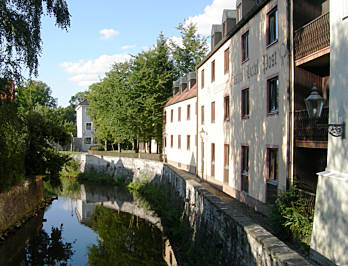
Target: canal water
x=95 y=226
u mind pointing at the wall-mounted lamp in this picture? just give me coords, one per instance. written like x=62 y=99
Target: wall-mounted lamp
x=314 y=105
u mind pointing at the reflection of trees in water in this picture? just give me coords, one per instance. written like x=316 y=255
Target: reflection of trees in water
x=124 y=240
x=46 y=249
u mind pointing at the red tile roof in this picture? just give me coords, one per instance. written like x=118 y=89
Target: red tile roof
x=185 y=95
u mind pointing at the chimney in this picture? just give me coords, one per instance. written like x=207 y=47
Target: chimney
x=175 y=86
x=191 y=79
x=228 y=21
x=183 y=83
x=243 y=8
x=216 y=34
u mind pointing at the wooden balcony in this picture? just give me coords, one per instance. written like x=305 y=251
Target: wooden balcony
x=312 y=40
x=310 y=134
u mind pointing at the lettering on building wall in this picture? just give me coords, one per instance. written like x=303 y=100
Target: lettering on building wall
x=263 y=65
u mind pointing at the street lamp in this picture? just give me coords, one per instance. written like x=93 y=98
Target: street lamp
x=314 y=105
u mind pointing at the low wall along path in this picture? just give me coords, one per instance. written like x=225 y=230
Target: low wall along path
x=242 y=240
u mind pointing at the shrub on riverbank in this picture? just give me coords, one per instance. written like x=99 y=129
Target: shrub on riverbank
x=292 y=217
x=12 y=147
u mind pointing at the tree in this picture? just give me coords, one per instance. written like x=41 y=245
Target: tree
x=78 y=98
x=34 y=93
x=20 y=33
x=151 y=85
x=191 y=52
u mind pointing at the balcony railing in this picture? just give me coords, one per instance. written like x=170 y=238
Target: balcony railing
x=312 y=37
x=308 y=129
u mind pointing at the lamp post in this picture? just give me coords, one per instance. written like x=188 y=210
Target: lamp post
x=203 y=135
x=314 y=105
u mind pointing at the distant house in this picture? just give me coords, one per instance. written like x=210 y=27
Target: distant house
x=85 y=130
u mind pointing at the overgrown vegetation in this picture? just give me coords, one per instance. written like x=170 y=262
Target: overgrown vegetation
x=101 y=178
x=190 y=248
x=291 y=216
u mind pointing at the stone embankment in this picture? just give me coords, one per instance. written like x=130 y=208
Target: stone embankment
x=242 y=240
x=20 y=202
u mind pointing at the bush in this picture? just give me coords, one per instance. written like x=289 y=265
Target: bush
x=12 y=147
x=291 y=216
x=97 y=147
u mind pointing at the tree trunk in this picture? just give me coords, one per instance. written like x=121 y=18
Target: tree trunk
x=106 y=145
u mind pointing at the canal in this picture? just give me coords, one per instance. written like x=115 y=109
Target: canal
x=93 y=225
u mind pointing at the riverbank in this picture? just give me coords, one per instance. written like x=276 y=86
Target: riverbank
x=20 y=202
x=240 y=236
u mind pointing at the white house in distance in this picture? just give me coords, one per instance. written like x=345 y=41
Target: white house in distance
x=180 y=137
x=85 y=130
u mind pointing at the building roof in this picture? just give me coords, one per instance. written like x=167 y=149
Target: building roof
x=185 y=95
x=252 y=12
x=84 y=102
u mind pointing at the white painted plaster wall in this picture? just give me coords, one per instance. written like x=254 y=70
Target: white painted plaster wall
x=260 y=130
x=82 y=118
x=184 y=127
x=330 y=226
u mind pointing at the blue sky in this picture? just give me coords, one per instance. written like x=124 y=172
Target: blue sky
x=107 y=31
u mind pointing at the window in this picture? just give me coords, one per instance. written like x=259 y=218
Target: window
x=171 y=141
x=239 y=13
x=226 y=163
x=212 y=112
x=88 y=140
x=245 y=169
x=179 y=142
x=165 y=142
x=171 y=115
x=213 y=71
x=272 y=95
x=202 y=78
x=245 y=103
x=188 y=142
x=271 y=174
x=226 y=108
x=202 y=114
x=226 y=60
x=272 y=29
x=165 y=117
x=212 y=168
x=88 y=126
x=179 y=114
x=245 y=46
x=188 y=112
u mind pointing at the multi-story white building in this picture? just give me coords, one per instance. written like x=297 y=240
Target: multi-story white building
x=180 y=137
x=243 y=103
x=85 y=130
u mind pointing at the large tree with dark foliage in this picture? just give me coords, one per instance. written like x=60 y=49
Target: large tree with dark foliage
x=20 y=33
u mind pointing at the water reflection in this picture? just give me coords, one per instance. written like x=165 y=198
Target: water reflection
x=103 y=226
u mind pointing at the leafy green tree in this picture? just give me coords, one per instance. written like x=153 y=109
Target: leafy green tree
x=12 y=147
x=151 y=85
x=78 y=98
x=20 y=33
x=34 y=93
x=191 y=52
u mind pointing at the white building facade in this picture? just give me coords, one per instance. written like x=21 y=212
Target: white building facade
x=84 y=124
x=180 y=137
x=243 y=104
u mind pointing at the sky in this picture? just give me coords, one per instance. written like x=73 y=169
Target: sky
x=107 y=31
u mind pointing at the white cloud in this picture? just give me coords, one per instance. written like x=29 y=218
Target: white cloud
x=176 y=40
x=212 y=15
x=126 y=47
x=108 y=33
x=87 y=72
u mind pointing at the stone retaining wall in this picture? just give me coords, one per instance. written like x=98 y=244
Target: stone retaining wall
x=20 y=201
x=243 y=242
